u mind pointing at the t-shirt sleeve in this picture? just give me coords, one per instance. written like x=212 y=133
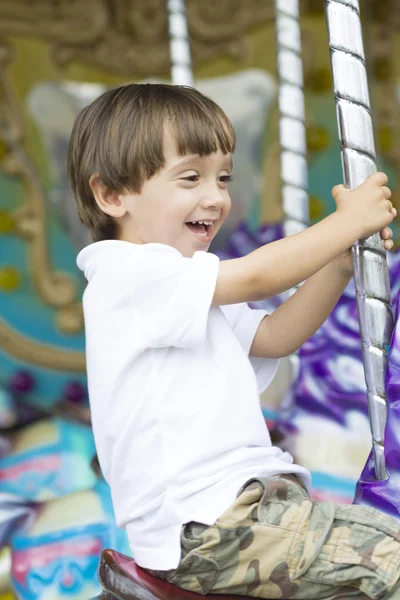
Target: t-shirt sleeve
x=172 y=296
x=245 y=322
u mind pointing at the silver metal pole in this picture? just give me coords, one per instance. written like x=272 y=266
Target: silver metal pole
x=358 y=162
x=292 y=131
x=181 y=65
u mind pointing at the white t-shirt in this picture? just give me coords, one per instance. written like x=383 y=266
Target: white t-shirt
x=173 y=395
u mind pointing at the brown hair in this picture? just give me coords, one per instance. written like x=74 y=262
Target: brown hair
x=120 y=137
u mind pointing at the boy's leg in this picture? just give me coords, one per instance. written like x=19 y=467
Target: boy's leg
x=275 y=542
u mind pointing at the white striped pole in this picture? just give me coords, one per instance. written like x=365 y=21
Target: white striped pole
x=181 y=64
x=292 y=131
x=292 y=134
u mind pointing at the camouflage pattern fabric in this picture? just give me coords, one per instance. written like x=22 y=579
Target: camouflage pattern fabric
x=276 y=542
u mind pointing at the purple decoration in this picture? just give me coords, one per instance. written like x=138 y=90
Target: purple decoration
x=244 y=240
x=22 y=382
x=75 y=392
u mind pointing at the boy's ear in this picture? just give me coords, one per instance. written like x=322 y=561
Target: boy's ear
x=109 y=201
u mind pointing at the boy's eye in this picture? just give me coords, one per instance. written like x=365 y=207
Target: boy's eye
x=195 y=178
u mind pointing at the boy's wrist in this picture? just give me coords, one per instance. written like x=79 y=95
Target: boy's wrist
x=348 y=227
x=342 y=265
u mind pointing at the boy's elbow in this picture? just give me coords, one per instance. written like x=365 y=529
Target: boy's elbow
x=237 y=282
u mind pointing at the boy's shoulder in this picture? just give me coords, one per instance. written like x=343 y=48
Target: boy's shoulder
x=118 y=252
x=118 y=261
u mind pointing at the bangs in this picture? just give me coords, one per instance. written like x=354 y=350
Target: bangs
x=200 y=127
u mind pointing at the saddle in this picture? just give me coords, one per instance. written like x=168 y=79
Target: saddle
x=122 y=579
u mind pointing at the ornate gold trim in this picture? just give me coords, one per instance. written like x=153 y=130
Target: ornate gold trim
x=382 y=54
x=130 y=37
x=42 y=355
x=68 y=21
x=70 y=318
x=55 y=287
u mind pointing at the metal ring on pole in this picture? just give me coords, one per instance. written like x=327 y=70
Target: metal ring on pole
x=358 y=162
x=181 y=64
x=292 y=131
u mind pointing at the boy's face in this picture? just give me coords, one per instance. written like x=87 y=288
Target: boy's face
x=174 y=203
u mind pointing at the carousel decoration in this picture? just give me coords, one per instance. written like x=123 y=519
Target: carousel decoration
x=48 y=466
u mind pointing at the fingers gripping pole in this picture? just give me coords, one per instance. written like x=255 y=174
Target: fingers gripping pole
x=181 y=67
x=292 y=131
x=358 y=162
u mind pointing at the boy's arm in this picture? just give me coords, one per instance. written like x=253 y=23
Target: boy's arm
x=297 y=319
x=280 y=265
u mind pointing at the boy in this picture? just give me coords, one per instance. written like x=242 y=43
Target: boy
x=207 y=502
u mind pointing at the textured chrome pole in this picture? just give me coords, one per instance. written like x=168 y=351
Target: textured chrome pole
x=181 y=66
x=358 y=162
x=292 y=132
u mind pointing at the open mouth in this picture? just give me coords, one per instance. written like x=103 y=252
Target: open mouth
x=201 y=228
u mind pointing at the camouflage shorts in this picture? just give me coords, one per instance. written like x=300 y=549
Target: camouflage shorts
x=276 y=542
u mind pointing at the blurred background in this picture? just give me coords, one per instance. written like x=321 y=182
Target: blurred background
x=56 y=56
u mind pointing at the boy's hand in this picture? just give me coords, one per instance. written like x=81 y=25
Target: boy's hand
x=367 y=207
x=345 y=262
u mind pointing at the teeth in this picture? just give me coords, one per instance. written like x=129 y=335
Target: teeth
x=202 y=222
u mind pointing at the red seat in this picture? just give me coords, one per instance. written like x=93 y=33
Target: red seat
x=122 y=579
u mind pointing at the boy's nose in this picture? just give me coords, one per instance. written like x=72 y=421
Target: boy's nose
x=213 y=200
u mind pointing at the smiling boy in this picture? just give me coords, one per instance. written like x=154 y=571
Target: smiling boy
x=176 y=359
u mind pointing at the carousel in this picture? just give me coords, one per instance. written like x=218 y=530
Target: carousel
x=334 y=405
